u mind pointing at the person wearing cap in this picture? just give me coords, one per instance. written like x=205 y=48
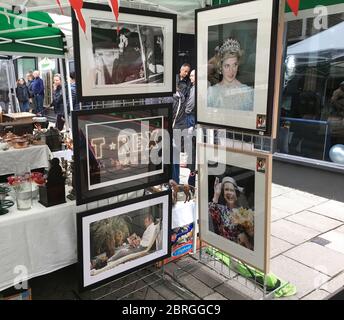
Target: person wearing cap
x=221 y=220
x=337 y=99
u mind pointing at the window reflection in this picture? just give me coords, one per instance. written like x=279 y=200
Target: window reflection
x=312 y=110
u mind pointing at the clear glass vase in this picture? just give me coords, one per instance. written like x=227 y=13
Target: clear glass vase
x=24 y=196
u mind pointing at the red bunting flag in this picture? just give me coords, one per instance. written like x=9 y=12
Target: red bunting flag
x=114 y=5
x=59 y=3
x=294 y=5
x=77 y=6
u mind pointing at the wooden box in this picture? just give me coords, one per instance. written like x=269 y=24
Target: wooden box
x=52 y=195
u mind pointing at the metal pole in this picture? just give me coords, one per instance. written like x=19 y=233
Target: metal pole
x=64 y=94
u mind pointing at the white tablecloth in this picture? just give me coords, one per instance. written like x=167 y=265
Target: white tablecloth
x=44 y=240
x=16 y=160
x=41 y=239
x=183 y=213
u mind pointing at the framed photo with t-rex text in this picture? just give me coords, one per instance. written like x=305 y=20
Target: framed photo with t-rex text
x=120 y=150
x=236 y=65
x=132 y=58
x=118 y=239
x=235 y=202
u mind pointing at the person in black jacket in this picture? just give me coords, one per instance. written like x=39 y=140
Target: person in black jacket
x=23 y=95
x=57 y=103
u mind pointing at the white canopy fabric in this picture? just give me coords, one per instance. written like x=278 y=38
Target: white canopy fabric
x=328 y=44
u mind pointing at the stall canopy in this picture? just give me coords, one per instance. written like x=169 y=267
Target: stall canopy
x=32 y=33
x=324 y=46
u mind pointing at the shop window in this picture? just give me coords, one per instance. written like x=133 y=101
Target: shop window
x=312 y=105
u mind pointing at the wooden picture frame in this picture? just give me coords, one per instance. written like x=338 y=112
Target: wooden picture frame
x=235 y=214
x=135 y=60
x=236 y=65
x=121 y=238
x=120 y=150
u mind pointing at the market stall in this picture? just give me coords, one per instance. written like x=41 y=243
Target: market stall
x=30 y=34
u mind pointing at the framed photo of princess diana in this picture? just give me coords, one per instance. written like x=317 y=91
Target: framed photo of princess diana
x=234 y=203
x=134 y=58
x=236 y=59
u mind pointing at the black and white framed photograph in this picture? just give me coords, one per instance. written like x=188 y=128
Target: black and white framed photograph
x=236 y=55
x=132 y=58
x=235 y=188
x=118 y=239
x=119 y=150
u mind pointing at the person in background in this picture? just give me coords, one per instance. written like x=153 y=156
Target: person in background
x=57 y=103
x=190 y=121
x=29 y=82
x=183 y=80
x=178 y=124
x=76 y=105
x=38 y=92
x=23 y=95
x=337 y=100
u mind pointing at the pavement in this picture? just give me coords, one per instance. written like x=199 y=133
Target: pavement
x=307 y=250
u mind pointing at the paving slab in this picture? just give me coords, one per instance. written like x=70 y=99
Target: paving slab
x=340 y=229
x=196 y=286
x=278 y=190
x=292 y=232
x=277 y=214
x=209 y=277
x=332 y=209
x=318 y=257
x=336 y=240
x=278 y=246
x=334 y=284
x=314 y=221
x=304 y=278
x=297 y=195
x=317 y=295
x=286 y=204
x=227 y=290
x=215 y=296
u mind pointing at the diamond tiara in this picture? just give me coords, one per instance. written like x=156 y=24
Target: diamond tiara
x=231 y=45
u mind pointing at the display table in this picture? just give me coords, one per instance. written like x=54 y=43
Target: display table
x=41 y=239
x=19 y=117
x=34 y=157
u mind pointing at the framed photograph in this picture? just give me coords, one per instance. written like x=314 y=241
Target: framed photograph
x=235 y=203
x=121 y=238
x=119 y=150
x=236 y=59
x=132 y=58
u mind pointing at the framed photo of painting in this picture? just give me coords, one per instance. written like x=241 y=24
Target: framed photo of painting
x=134 y=58
x=236 y=60
x=120 y=150
x=235 y=203
x=118 y=239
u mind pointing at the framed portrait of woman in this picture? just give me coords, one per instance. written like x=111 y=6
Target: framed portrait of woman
x=131 y=58
x=236 y=62
x=120 y=238
x=235 y=203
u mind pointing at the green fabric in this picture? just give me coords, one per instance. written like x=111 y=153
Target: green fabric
x=304 y=4
x=17 y=23
x=272 y=282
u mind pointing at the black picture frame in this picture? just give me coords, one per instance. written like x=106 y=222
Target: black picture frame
x=117 y=87
x=236 y=121
x=125 y=264
x=101 y=170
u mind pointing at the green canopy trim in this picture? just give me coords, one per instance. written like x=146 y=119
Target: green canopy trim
x=30 y=34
